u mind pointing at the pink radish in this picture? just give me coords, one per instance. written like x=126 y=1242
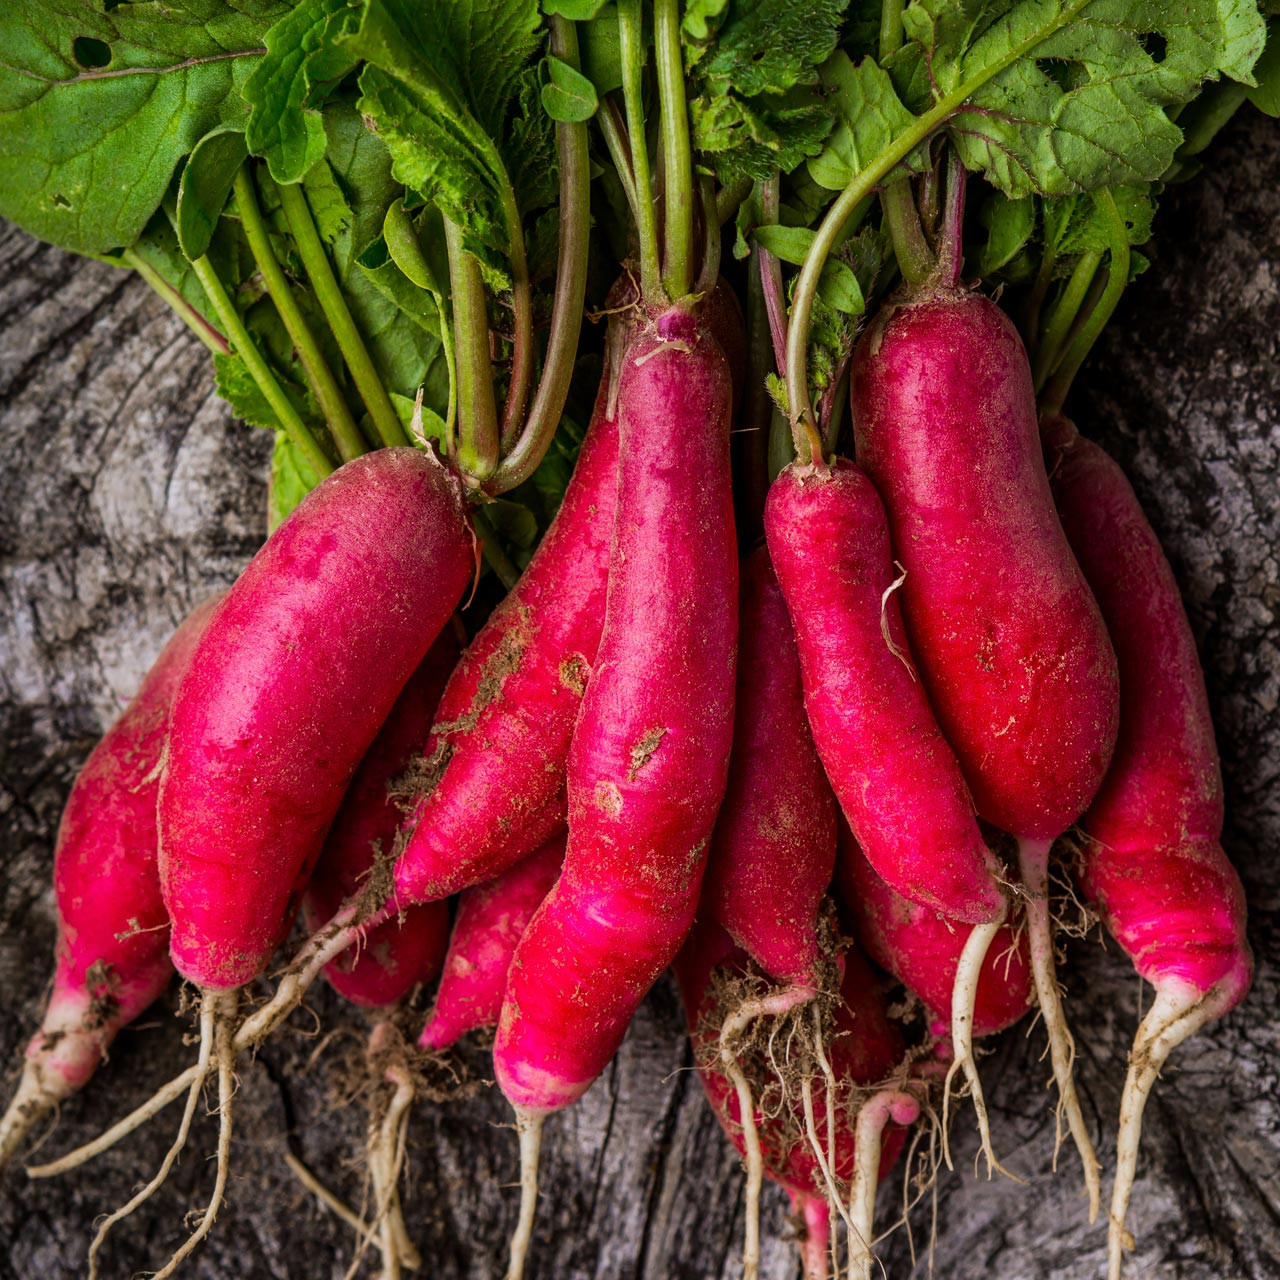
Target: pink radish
x=296 y=671
x=866 y=1050
x=897 y=779
x=774 y=843
x=650 y=751
x=1009 y=641
x=491 y=920
x=113 y=932
x=1152 y=859
x=401 y=952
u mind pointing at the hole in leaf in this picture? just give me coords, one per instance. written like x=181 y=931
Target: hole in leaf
x=60 y=200
x=1154 y=45
x=90 y=52
x=1058 y=71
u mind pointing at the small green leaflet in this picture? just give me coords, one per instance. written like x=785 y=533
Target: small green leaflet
x=290 y=480
x=1266 y=94
x=98 y=108
x=205 y=186
x=1010 y=225
x=302 y=57
x=574 y=10
x=568 y=96
x=752 y=77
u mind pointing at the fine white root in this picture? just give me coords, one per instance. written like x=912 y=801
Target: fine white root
x=776 y=1004
x=386 y=1165
x=963 y=996
x=1179 y=1011
x=873 y=1116
x=1033 y=861
x=225 y=1009
x=168 y=1093
x=529 y=1127
x=835 y=1199
x=334 y=1203
x=208 y=1034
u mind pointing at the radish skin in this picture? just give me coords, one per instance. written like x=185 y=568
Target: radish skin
x=113 y=931
x=1152 y=860
x=491 y=921
x=402 y=952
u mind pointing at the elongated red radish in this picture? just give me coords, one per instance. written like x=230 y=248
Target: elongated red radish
x=865 y=1050
x=491 y=920
x=408 y=949
x=650 y=751
x=898 y=781
x=775 y=839
x=774 y=843
x=113 y=931
x=296 y=671
x=1152 y=860
x=1008 y=637
x=922 y=949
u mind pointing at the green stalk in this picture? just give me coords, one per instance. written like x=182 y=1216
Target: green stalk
x=677 y=151
x=1057 y=328
x=491 y=549
x=890 y=27
x=477 y=455
x=243 y=346
x=337 y=415
x=1055 y=393
x=571 y=288
x=915 y=259
x=614 y=139
x=847 y=201
x=315 y=262
x=709 y=272
x=729 y=199
x=631 y=49
x=181 y=307
x=522 y=314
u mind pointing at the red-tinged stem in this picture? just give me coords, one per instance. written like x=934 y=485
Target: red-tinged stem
x=951 y=256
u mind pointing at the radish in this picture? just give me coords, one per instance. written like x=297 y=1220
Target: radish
x=650 y=751
x=113 y=932
x=865 y=1051
x=399 y=953
x=295 y=673
x=897 y=779
x=1152 y=860
x=773 y=847
x=491 y=920
x=1009 y=641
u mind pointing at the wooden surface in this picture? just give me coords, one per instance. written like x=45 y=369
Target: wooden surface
x=127 y=493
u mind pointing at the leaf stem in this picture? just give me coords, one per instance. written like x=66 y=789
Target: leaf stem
x=828 y=233
x=342 y=426
x=916 y=260
x=677 y=151
x=243 y=346
x=522 y=311
x=477 y=454
x=491 y=549
x=729 y=199
x=315 y=262
x=775 y=296
x=181 y=307
x=890 y=27
x=1055 y=393
x=709 y=272
x=570 y=292
x=616 y=140
x=631 y=48
x=1063 y=315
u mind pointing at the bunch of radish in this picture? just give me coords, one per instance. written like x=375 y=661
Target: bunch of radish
x=823 y=772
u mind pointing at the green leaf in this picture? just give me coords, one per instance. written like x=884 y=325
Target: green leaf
x=1074 y=224
x=205 y=186
x=290 y=480
x=1010 y=224
x=1265 y=95
x=869 y=116
x=303 y=57
x=1070 y=95
x=515 y=522
x=752 y=71
x=236 y=386
x=601 y=48
x=88 y=147
x=838 y=287
x=568 y=96
x=404 y=242
x=791 y=244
